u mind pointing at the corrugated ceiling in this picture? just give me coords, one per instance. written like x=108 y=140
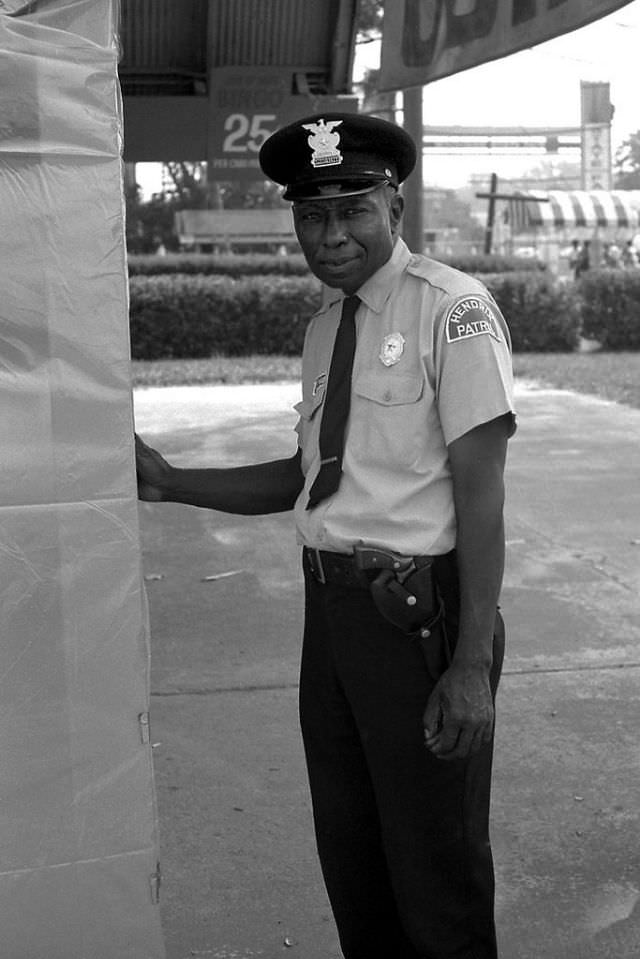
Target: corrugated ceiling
x=165 y=41
x=273 y=32
x=164 y=34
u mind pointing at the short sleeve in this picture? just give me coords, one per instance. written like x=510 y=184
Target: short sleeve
x=474 y=375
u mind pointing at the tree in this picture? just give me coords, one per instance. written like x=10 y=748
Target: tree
x=369 y=19
x=551 y=173
x=151 y=223
x=189 y=184
x=448 y=210
x=369 y=29
x=189 y=190
x=627 y=164
x=254 y=195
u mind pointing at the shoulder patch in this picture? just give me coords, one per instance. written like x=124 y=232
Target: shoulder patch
x=471 y=316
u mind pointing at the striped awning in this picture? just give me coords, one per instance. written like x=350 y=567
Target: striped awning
x=562 y=209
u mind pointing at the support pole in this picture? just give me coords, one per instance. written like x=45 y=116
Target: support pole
x=412 y=224
x=491 y=214
x=214 y=196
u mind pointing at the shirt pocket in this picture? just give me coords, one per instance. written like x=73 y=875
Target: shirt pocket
x=389 y=420
x=395 y=390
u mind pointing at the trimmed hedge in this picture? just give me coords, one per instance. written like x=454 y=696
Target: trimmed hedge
x=610 y=307
x=294 y=264
x=542 y=316
x=188 y=317
x=482 y=263
x=182 y=316
x=219 y=264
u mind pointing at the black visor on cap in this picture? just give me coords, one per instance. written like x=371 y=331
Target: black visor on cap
x=321 y=189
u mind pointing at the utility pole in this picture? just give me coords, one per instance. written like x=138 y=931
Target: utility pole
x=491 y=214
x=412 y=224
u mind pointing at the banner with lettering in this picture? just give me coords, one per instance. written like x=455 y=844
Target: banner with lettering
x=425 y=40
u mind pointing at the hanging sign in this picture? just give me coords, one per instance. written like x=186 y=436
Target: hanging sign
x=425 y=40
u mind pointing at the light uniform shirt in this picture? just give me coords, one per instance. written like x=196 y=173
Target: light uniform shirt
x=433 y=360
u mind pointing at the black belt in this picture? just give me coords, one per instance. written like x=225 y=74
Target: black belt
x=341 y=568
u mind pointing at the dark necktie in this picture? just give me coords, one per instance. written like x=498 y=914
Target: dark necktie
x=336 y=406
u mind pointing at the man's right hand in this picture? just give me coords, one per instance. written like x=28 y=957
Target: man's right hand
x=246 y=490
x=153 y=472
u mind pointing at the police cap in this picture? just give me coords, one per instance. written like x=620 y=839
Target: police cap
x=337 y=154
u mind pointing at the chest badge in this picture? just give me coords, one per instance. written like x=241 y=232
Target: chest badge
x=392 y=349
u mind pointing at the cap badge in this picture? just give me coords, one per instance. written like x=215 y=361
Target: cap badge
x=324 y=143
x=392 y=349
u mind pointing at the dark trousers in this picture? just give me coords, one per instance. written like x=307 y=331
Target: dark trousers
x=402 y=837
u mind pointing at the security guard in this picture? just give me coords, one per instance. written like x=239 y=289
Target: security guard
x=397 y=491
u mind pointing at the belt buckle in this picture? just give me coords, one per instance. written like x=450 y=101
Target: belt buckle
x=315 y=564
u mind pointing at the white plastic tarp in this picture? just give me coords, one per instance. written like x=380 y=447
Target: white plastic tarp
x=78 y=825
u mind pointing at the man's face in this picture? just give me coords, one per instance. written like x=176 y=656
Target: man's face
x=346 y=239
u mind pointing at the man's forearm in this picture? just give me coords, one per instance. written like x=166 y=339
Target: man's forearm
x=480 y=556
x=248 y=490
x=477 y=466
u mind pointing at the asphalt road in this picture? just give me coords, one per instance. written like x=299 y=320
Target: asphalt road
x=240 y=874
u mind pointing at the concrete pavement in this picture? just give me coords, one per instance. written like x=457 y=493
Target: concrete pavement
x=240 y=874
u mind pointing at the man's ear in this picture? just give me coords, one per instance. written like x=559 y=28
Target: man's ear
x=396 y=209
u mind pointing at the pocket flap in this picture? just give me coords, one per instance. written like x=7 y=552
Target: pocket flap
x=390 y=390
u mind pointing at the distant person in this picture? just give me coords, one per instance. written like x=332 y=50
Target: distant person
x=583 y=264
x=397 y=491
x=612 y=256
x=574 y=257
x=629 y=255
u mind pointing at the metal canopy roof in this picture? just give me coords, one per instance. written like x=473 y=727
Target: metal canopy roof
x=169 y=47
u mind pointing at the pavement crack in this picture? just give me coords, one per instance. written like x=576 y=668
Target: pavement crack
x=284 y=687
x=586 y=668
x=218 y=690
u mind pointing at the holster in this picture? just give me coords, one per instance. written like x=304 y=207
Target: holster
x=433 y=619
x=411 y=605
x=416 y=606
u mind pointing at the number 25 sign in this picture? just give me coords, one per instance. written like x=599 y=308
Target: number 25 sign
x=247 y=105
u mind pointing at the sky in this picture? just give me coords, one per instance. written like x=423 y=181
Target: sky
x=536 y=87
